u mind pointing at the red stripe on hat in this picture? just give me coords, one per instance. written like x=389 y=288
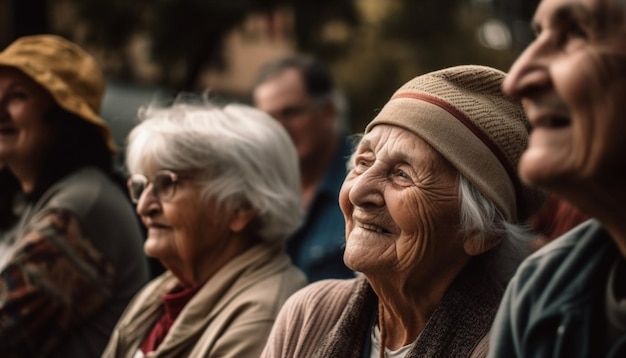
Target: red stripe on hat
x=478 y=133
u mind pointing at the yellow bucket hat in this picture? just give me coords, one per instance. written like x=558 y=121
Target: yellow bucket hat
x=69 y=73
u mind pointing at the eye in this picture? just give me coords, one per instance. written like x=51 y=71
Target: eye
x=291 y=112
x=164 y=183
x=361 y=164
x=401 y=175
x=571 y=25
x=136 y=186
x=573 y=31
x=17 y=95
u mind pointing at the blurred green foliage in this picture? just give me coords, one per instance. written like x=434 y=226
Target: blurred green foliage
x=372 y=60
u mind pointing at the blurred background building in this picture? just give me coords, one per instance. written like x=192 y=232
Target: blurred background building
x=151 y=48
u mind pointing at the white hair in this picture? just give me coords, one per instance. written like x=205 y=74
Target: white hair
x=245 y=157
x=479 y=216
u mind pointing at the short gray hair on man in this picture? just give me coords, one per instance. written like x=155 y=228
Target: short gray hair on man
x=244 y=156
x=317 y=79
x=479 y=216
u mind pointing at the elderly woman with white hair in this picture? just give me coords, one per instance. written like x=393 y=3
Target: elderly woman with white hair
x=218 y=191
x=433 y=208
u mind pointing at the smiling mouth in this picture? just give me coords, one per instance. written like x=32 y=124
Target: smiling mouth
x=375 y=228
x=155 y=226
x=555 y=122
x=551 y=122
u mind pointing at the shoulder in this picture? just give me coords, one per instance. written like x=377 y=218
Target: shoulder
x=149 y=296
x=584 y=239
x=321 y=299
x=325 y=290
x=556 y=284
x=84 y=190
x=307 y=316
x=105 y=215
x=269 y=290
x=564 y=271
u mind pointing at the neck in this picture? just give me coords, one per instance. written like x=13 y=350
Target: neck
x=403 y=314
x=606 y=204
x=25 y=174
x=197 y=271
x=395 y=332
x=409 y=299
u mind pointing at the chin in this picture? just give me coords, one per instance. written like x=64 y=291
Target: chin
x=534 y=170
x=151 y=249
x=360 y=263
x=352 y=262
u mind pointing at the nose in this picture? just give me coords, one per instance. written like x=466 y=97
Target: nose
x=148 y=204
x=530 y=71
x=366 y=189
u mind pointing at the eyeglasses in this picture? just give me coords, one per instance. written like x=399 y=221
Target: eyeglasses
x=291 y=113
x=164 y=184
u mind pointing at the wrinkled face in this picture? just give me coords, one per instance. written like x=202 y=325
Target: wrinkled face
x=401 y=207
x=571 y=81
x=183 y=230
x=309 y=124
x=24 y=135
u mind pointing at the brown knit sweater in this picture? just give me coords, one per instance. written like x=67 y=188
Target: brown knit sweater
x=333 y=318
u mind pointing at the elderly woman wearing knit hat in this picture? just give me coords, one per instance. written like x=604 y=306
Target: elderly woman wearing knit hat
x=432 y=205
x=70 y=244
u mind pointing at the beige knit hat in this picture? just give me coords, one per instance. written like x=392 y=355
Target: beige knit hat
x=462 y=112
x=70 y=74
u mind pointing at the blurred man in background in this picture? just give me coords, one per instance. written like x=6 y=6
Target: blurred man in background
x=299 y=92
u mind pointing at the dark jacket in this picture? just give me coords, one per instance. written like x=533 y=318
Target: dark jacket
x=554 y=305
x=318 y=244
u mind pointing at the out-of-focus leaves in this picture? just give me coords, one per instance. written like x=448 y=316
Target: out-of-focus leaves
x=517 y=14
x=422 y=20
x=111 y=22
x=191 y=32
x=312 y=16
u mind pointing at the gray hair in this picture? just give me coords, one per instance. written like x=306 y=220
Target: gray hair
x=479 y=216
x=317 y=79
x=245 y=157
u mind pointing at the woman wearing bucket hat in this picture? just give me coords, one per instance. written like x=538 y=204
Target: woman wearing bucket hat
x=432 y=206
x=70 y=244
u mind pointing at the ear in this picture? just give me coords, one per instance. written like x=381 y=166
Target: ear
x=475 y=245
x=241 y=219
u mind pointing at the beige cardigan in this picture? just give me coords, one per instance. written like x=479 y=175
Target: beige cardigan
x=231 y=315
x=333 y=319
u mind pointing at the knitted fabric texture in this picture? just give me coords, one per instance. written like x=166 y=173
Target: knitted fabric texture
x=462 y=113
x=65 y=70
x=455 y=328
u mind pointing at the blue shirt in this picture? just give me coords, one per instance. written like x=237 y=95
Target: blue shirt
x=317 y=246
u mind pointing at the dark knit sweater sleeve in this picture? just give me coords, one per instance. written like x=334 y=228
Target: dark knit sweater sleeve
x=306 y=317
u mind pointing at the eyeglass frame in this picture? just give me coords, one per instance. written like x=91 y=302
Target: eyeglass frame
x=175 y=178
x=292 y=112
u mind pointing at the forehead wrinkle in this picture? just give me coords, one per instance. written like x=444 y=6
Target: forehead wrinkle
x=596 y=15
x=562 y=13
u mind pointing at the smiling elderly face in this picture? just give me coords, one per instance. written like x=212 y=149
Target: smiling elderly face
x=571 y=81
x=401 y=207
